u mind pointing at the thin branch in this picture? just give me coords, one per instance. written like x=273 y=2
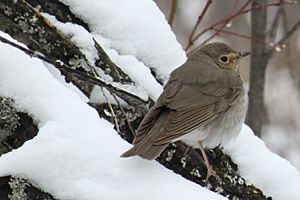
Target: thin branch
x=241 y=11
x=234 y=6
x=124 y=113
x=242 y=36
x=208 y=3
x=289 y=33
x=275 y=24
x=116 y=73
x=288 y=50
x=173 y=12
x=281 y=43
x=218 y=31
x=223 y=21
x=222 y=27
x=83 y=76
x=114 y=117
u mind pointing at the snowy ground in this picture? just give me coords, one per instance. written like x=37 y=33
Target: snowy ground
x=76 y=154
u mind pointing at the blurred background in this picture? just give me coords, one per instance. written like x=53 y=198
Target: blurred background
x=281 y=112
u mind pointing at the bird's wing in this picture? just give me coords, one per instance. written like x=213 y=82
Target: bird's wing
x=154 y=113
x=147 y=123
x=192 y=106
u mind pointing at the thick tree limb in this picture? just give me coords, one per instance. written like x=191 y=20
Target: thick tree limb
x=261 y=54
x=15 y=127
x=258 y=67
x=13 y=188
x=130 y=98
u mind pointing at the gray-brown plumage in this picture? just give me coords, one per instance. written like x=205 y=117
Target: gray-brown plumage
x=204 y=100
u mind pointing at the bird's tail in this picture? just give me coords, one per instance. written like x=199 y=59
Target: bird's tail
x=152 y=153
x=143 y=145
x=146 y=149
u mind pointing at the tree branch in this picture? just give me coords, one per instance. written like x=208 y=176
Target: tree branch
x=288 y=47
x=200 y=18
x=281 y=43
x=223 y=22
x=128 y=97
x=274 y=26
x=243 y=10
x=173 y=12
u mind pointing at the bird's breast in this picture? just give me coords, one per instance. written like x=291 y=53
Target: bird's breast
x=222 y=129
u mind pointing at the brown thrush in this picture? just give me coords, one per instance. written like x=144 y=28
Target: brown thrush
x=203 y=103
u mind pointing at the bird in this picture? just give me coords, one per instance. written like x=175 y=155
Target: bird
x=203 y=104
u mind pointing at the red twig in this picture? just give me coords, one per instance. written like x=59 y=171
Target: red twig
x=208 y=3
x=223 y=21
x=241 y=11
x=241 y=36
x=273 y=46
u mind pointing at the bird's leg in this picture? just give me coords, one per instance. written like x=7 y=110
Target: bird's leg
x=210 y=171
x=186 y=151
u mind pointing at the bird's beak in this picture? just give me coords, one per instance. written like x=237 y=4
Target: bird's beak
x=244 y=54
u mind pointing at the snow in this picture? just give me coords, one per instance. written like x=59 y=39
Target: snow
x=269 y=172
x=76 y=154
x=137 y=71
x=134 y=27
x=136 y=42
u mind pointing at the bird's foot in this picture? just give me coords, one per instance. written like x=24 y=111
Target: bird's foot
x=211 y=172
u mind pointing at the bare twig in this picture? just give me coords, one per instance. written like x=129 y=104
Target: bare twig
x=124 y=113
x=289 y=33
x=218 y=31
x=272 y=46
x=275 y=24
x=222 y=27
x=173 y=12
x=281 y=43
x=234 y=6
x=223 y=21
x=242 y=36
x=287 y=51
x=190 y=42
x=113 y=115
x=61 y=66
x=241 y=11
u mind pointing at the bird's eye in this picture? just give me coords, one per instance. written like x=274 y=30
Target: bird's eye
x=224 y=59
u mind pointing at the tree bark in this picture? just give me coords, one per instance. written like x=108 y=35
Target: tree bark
x=258 y=66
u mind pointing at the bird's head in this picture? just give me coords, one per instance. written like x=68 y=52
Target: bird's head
x=223 y=55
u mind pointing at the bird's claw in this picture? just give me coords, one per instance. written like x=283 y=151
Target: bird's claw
x=211 y=172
